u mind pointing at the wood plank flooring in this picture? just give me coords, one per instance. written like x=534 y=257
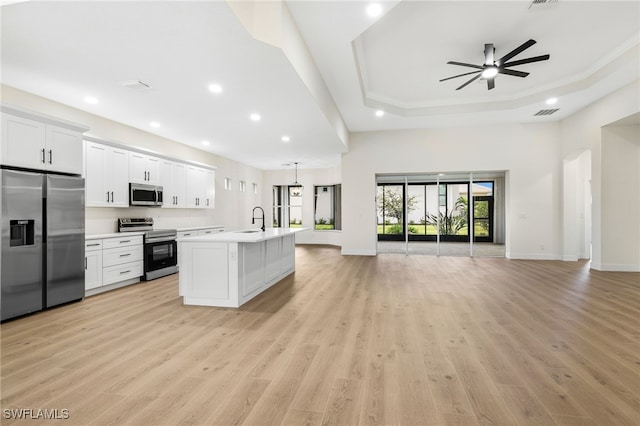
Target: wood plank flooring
x=386 y=340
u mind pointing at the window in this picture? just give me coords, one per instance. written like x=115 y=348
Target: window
x=227 y=184
x=243 y=186
x=327 y=207
x=255 y=188
x=287 y=210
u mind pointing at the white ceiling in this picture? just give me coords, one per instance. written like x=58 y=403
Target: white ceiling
x=68 y=50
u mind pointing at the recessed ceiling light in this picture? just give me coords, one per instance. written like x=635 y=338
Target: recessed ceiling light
x=154 y=124
x=91 y=100
x=205 y=143
x=379 y=113
x=551 y=101
x=215 y=88
x=286 y=138
x=374 y=9
x=255 y=117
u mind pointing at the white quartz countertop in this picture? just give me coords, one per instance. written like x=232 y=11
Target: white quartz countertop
x=112 y=235
x=120 y=234
x=195 y=228
x=243 y=236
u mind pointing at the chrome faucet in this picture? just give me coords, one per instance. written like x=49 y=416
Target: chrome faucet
x=253 y=218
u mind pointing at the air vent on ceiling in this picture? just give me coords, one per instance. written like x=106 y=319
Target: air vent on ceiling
x=136 y=85
x=546 y=111
x=537 y=3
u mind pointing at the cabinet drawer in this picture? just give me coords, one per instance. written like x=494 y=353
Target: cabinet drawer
x=118 y=256
x=92 y=245
x=208 y=231
x=114 y=274
x=109 y=243
x=187 y=234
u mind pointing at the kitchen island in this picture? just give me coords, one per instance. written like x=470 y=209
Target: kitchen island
x=230 y=268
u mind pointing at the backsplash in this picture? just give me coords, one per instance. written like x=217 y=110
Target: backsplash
x=101 y=220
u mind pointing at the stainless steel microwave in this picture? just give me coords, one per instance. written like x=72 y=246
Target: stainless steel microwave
x=145 y=195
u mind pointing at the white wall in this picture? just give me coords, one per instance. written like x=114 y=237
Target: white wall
x=308 y=178
x=529 y=153
x=620 y=198
x=583 y=132
x=233 y=208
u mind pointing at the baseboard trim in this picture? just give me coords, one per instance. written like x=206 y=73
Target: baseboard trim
x=612 y=267
x=570 y=258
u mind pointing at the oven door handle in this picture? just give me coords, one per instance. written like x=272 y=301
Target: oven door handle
x=159 y=240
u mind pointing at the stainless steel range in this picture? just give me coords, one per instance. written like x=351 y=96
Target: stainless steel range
x=160 y=246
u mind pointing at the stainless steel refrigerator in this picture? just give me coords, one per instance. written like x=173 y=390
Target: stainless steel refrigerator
x=42 y=247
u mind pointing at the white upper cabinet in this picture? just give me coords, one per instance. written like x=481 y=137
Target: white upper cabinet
x=63 y=150
x=210 y=189
x=196 y=189
x=42 y=144
x=144 y=168
x=173 y=181
x=106 y=176
x=109 y=168
x=201 y=188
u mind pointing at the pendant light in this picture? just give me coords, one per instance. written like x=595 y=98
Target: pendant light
x=295 y=189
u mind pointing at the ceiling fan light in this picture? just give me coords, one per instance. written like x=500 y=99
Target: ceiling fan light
x=489 y=72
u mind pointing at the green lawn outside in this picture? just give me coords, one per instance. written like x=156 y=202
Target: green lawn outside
x=419 y=229
x=324 y=227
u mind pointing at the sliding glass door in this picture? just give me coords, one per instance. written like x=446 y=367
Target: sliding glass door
x=431 y=213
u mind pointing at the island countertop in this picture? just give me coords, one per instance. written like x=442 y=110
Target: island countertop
x=230 y=268
x=243 y=236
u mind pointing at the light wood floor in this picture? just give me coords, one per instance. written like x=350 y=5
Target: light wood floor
x=387 y=340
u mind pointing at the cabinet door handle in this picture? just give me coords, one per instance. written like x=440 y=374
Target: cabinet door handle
x=125 y=272
x=107 y=196
x=43 y=160
x=50 y=156
x=85 y=263
x=207 y=202
x=148 y=175
x=124 y=241
x=112 y=196
x=93 y=245
x=125 y=255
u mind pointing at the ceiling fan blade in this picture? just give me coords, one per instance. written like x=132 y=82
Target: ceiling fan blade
x=491 y=83
x=472 y=80
x=512 y=72
x=489 y=53
x=460 y=75
x=462 y=64
x=526 y=61
x=516 y=51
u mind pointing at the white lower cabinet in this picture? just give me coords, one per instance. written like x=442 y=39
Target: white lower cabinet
x=210 y=231
x=113 y=262
x=92 y=264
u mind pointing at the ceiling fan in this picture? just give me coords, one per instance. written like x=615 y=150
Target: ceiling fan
x=491 y=68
